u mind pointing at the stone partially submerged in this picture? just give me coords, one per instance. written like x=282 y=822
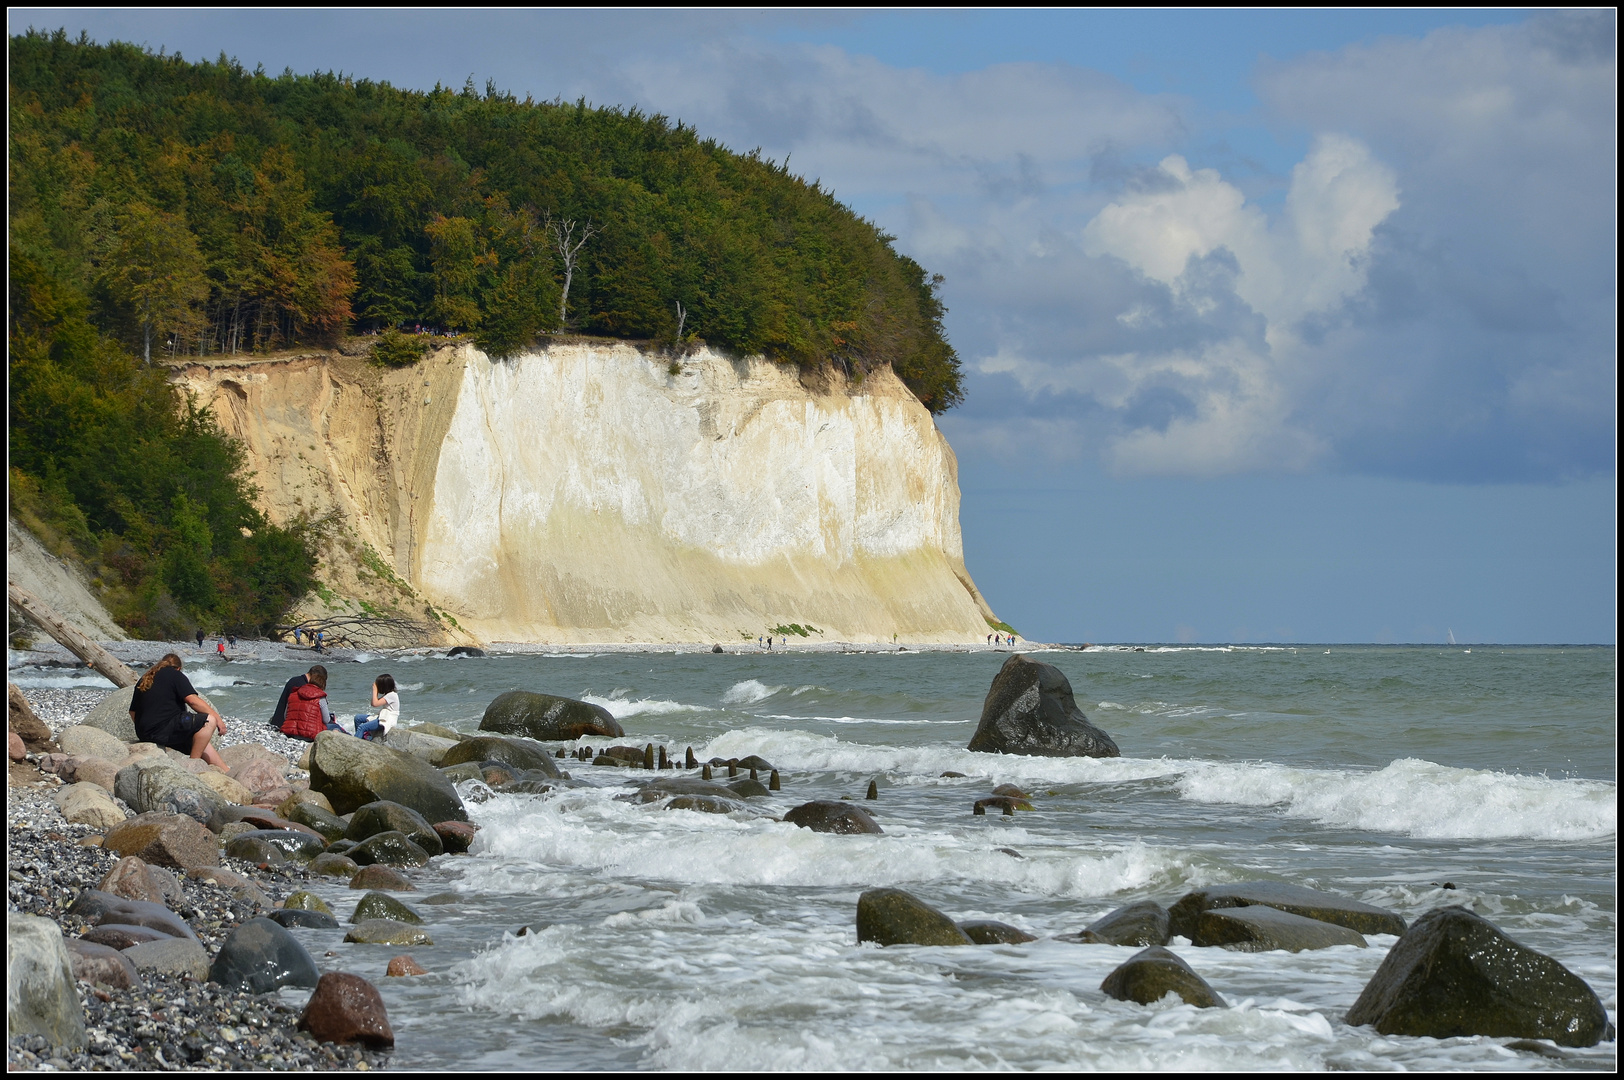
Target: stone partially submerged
x=1265 y=929
x=519 y=753
x=1144 y=923
x=1456 y=974
x=895 y=917
x=1309 y=903
x=828 y=816
x=1030 y=710
x=548 y=718
x=1152 y=974
x=352 y=772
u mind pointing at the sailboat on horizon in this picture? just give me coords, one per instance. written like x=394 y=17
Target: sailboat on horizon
x=1452 y=637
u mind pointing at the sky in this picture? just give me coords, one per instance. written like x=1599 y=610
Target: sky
x=1277 y=326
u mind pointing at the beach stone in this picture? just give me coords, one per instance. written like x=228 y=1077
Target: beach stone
x=171 y=790
x=384 y=816
x=1030 y=710
x=238 y=755
x=991 y=932
x=122 y=935
x=496 y=774
x=227 y=788
x=92 y=904
x=404 y=965
x=1011 y=791
x=1309 y=903
x=270 y=800
x=431 y=748
x=341 y=847
x=381 y=877
x=704 y=804
x=352 y=772
x=88 y=804
x=377 y=905
x=387 y=932
x=1002 y=803
x=260 y=956
x=233 y=830
x=1263 y=929
x=468 y=770
x=755 y=761
x=250 y=848
x=112 y=715
x=456 y=837
x=298 y=918
x=82 y=741
x=262 y=777
x=1144 y=923
x=390 y=848
x=98 y=771
x=93 y=963
x=746 y=788
x=328 y=864
x=22 y=722
x=305 y=797
x=514 y=752
x=40 y=997
x=548 y=718
x=326 y=824
x=465 y=650
x=1150 y=975
x=894 y=917
x=833 y=817
x=1456 y=974
x=347 y=1009
x=152 y=916
x=133 y=879
x=172 y=956
x=667 y=786
x=306 y=901
x=164 y=840
x=439 y=731
x=292 y=843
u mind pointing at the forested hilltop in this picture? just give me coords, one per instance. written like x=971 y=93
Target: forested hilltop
x=162 y=208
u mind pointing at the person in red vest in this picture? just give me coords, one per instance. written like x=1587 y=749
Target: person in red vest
x=308 y=714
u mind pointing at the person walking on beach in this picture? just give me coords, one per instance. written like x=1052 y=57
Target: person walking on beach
x=158 y=708
x=200 y=637
x=317 y=672
x=385 y=699
x=308 y=714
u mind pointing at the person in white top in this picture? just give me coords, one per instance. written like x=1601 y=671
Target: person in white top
x=387 y=701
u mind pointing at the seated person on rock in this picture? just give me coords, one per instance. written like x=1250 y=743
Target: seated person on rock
x=307 y=713
x=159 y=710
x=384 y=698
x=287 y=691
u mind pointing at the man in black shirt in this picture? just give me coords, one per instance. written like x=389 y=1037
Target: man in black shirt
x=161 y=708
x=294 y=683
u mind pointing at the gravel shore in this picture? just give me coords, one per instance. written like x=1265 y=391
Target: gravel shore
x=172 y=1022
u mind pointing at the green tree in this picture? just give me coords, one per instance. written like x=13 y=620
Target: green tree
x=156 y=270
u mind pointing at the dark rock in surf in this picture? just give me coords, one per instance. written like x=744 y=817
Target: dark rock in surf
x=1144 y=923
x=298 y=918
x=1264 y=929
x=519 y=753
x=377 y=905
x=455 y=836
x=1455 y=974
x=746 y=788
x=1148 y=976
x=548 y=718
x=1030 y=710
x=389 y=848
x=385 y=816
x=464 y=650
x=833 y=817
x=894 y=917
x=992 y=932
x=1309 y=903
x=260 y=956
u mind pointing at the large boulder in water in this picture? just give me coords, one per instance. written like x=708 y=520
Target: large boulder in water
x=894 y=917
x=1309 y=903
x=833 y=817
x=1030 y=711
x=1455 y=974
x=1149 y=976
x=1144 y=923
x=352 y=772
x=519 y=753
x=549 y=718
x=1264 y=929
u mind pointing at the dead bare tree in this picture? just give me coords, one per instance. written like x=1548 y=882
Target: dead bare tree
x=376 y=631
x=569 y=250
x=682 y=317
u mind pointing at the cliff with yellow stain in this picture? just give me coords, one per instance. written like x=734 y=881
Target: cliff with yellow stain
x=596 y=493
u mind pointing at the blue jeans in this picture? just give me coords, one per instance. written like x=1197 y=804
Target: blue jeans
x=364 y=727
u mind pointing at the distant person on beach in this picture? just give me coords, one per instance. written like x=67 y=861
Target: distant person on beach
x=296 y=635
x=321 y=636
x=293 y=684
x=159 y=710
x=308 y=714
x=219 y=648
x=385 y=699
x=231 y=639
x=200 y=637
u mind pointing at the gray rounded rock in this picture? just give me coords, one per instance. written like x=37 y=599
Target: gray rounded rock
x=1309 y=903
x=299 y=918
x=384 y=816
x=352 y=772
x=377 y=905
x=94 y=963
x=548 y=718
x=174 y=956
x=1149 y=976
x=1264 y=929
x=261 y=956
x=992 y=932
x=40 y=996
x=390 y=849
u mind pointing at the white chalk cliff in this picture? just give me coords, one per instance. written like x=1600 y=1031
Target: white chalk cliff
x=589 y=492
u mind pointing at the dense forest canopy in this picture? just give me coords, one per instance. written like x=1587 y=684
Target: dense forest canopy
x=161 y=209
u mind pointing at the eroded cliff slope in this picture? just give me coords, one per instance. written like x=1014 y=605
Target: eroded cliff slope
x=591 y=492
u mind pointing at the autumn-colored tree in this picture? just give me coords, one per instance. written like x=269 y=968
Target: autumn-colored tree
x=156 y=270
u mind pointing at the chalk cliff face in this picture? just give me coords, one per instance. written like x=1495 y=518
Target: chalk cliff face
x=590 y=493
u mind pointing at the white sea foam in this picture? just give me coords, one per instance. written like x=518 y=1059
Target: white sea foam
x=620 y=708
x=749 y=692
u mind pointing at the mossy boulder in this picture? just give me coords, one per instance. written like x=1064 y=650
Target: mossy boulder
x=387 y=932
x=1455 y=974
x=1144 y=923
x=992 y=932
x=306 y=901
x=827 y=816
x=1030 y=710
x=1309 y=903
x=312 y=816
x=389 y=848
x=352 y=772
x=377 y=905
x=895 y=917
x=518 y=753
x=548 y=718
x=1150 y=975
x=1265 y=929
x=385 y=816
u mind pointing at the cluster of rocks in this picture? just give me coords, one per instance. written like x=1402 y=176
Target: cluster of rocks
x=1451 y=974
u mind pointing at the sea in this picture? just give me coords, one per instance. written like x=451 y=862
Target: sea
x=1409 y=777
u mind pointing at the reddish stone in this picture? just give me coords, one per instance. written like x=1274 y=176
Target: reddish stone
x=379 y=876
x=404 y=965
x=134 y=880
x=165 y=840
x=15 y=747
x=345 y=1009
x=455 y=835
x=260 y=775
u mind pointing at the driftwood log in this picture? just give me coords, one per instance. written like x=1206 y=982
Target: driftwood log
x=73 y=639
